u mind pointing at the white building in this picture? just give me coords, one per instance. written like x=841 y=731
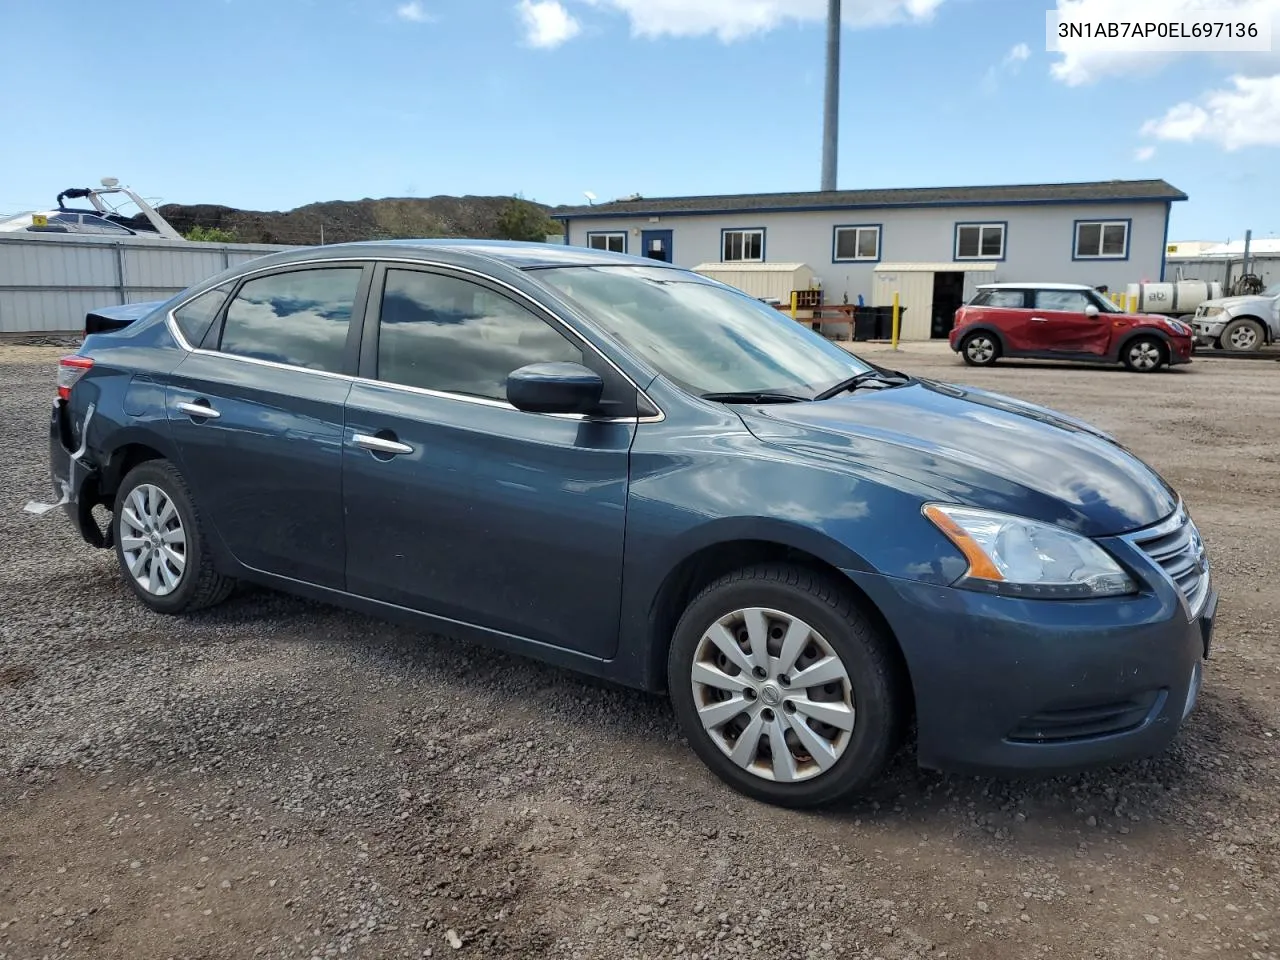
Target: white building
x=931 y=245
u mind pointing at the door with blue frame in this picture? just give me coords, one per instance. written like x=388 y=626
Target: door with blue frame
x=656 y=245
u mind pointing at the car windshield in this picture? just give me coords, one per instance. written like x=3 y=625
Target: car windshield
x=703 y=335
x=1272 y=291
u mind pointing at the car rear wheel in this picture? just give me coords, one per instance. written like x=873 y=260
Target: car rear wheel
x=1144 y=355
x=160 y=542
x=1243 y=334
x=784 y=688
x=980 y=349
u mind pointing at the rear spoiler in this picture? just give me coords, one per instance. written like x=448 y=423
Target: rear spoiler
x=106 y=319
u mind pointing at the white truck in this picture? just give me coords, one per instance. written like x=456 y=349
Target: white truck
x=1245 y=323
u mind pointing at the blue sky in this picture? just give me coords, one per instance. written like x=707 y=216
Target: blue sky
x=270 y=104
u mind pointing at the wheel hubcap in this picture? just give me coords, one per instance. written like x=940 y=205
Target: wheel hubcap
x=1145 y=356
x=153 y=540
x=772 y=694
x=981 y=349
x=1243 y=338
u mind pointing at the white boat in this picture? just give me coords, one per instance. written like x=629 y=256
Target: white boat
x=105 y=219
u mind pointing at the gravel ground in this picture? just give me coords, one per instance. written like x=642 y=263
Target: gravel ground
x=280 y=779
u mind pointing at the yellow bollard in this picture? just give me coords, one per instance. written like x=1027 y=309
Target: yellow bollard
x=896 y=320
x=794 y=299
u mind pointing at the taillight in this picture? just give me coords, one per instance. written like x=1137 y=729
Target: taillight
x=70 y=370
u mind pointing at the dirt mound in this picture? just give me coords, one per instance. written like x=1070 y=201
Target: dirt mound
x=340 y=221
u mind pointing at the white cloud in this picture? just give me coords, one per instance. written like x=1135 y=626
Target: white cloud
x=1246 y=115
x=731 y=20
x=1083 y=61
x=547 y=24
x=1143 y=154
x=413 y=11
x=1010 y=64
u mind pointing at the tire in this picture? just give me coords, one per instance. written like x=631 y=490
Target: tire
x=1244 y=334
x=980 y=349
x=1144 y=354
x=872 y=684
x=154 y=510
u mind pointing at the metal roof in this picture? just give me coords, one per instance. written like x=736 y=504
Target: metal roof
x=1101 y=191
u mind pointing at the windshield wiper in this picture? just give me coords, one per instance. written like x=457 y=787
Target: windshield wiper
x=890 y=377
x=753 y=396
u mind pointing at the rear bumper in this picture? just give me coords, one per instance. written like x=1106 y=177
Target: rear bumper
x=1010 y=686
x=74 y=481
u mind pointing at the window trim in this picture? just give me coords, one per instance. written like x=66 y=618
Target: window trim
x=1004 y=241
x=360 y=319
x=743 y=230
x=607 y=233
x=835 y=242
x=1127 y=222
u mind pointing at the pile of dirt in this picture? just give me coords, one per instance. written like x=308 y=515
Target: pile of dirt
x=340 y=221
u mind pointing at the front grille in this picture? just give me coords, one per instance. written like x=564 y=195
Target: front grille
x=1175 y=545
x=1080 y=723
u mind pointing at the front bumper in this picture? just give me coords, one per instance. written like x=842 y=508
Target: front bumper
x=1207 y=331
x=1006 y=686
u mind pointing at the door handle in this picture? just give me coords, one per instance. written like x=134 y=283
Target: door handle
x=1039 y=319
x=202 y=410
x=381 y=445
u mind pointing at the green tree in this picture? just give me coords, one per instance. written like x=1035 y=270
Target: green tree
x=522 y=220
x=211 y=235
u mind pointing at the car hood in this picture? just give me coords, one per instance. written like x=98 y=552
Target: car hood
x=1234 y=303
x=980 y=449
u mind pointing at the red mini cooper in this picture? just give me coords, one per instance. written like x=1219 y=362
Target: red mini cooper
x=1064 y=321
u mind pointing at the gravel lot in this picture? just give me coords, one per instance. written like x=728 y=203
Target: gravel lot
x=280 y=779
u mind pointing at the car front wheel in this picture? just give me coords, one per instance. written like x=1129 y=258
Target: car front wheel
x=980 y=349
x=1144 y=355
x=1244 y=334
x=784 y=688
x=160 y=542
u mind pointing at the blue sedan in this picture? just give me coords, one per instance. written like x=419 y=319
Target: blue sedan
x=624 y=468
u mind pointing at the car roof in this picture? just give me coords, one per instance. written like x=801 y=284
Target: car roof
x=1034 y=286
x=519 y=255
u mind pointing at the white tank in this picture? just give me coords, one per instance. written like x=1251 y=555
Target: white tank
x=1173 y=299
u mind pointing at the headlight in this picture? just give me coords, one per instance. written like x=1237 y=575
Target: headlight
x=1178 y=327
x=1020 y=557
x=1210 y=311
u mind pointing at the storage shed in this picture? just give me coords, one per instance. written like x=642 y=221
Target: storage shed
x=930 y=293
x=764 y=281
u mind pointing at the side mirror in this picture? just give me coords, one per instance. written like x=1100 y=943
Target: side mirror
x=554 y=388
x=1091 y=311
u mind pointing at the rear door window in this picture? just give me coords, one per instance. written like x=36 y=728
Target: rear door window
x=1009 y=299
x=300 y=317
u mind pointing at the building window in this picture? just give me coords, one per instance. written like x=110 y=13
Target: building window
x=857 y=243
x=1102 y=239
x=980 y=241
x=742 y=245
x=613 y=242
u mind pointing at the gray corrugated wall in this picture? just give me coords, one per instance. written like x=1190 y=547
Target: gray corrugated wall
x=48 y=284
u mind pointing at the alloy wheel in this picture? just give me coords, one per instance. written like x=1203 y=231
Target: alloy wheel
x=773 y=694
x=152 y=540
x=1243 y=337
x=980 y=349
x=1144 y=355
